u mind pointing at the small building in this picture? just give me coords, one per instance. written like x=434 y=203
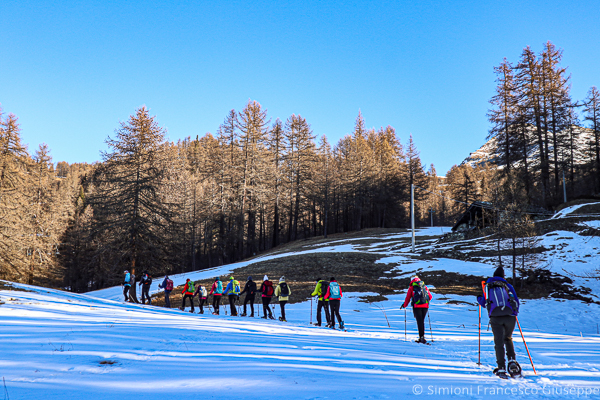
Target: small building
x=480 y=214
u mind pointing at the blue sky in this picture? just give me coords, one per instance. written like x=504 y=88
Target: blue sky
x=71 y=70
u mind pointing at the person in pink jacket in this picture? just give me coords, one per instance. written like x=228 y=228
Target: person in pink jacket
x=418 y=294
x=334 y=295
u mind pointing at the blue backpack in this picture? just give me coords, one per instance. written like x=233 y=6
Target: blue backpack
x=500 y=302
x=334 y=291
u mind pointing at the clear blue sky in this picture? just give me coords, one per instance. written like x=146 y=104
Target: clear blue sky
x=71 y=70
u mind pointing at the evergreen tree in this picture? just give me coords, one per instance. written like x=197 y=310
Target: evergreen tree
x=130 y=217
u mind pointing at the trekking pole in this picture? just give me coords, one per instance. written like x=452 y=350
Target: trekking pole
x=386 y=318
x=311 y=311
x=430 y=332
x=479 y=329
x=526 y=348
x=405 y=339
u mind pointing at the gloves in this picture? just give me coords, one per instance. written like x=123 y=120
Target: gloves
x=401 y=307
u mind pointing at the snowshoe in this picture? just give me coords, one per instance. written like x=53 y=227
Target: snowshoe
x=264 y=317
x=317 y=324
x=243 y=315
x=251 y=315
x=501 y=373
x=192 y=311
x=215 y=313
x=342 y=325
x=421 y=340
x=271 y=317
x=200 y=312
x=514 y=369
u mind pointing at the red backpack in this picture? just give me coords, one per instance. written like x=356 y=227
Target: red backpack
x=268 y=288
x=169 y=286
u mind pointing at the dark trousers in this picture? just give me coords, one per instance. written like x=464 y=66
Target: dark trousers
x=188 y=296
x=420 y=314
x=216 y=303
x=322 y=304
x=126 y=292
x=249 y=299
x=266 y=301
x=502 y=328
x=167 y=299
x=201 y=301
x=232 y=300
x=335 y=312
x=282 y=307
x=146 y=294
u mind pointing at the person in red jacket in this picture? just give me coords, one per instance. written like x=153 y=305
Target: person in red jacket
x=420 y=297
x=188 y=293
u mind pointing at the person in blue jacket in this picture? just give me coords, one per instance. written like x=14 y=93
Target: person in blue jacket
x=502 y=303
x=126 y=285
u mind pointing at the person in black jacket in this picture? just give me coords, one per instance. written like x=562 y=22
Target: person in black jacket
x=250 y=290
x=145 y=282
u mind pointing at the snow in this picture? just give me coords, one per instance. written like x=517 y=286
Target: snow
x=59 y=345
x=569 y=210
x=53 y=343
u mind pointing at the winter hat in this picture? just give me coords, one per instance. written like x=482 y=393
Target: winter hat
x=266 y=278
x=126 y=272
x=217 y=278
x=332 y=279
x=318 y=279
x=187 y=280
x=282 y=279
x=249 y=278
x=499 y=272
x=231 y=278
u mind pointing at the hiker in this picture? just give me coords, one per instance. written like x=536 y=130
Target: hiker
x=217 y=291
x=334 y=296
x=167 y=284
x=502 y=304
x=145 y=282
x=267 y=291
x=232 y=290
x=188 y=293
x=320 y=290
x=283 y=291
x=420 y=297
x=126 y=285
x=250 y=290
x=202 y=295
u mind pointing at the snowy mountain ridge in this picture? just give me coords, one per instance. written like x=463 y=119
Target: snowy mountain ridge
x=488 y=153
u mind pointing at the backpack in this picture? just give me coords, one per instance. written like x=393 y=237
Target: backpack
x=236 y=287
x=169 y=285
x=268 y=289
x=499 y=300
x=420 y=295
x=334 y=291
x=203 y=291
x=219 y=287
x=191 y=288
x=127 y=279
x=284 y=289
x=324 y=286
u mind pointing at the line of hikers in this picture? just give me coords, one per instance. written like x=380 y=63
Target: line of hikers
x=499 y=298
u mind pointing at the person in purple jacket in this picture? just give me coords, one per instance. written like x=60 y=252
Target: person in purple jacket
x=502 y=303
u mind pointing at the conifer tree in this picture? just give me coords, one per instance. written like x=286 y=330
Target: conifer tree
x=592 y=115
x=130 y=217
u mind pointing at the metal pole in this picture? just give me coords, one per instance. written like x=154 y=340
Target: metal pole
x=564 y=186
x=412 y=214
x=431 y=211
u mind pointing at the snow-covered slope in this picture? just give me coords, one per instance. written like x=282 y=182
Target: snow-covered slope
x=57 y=345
